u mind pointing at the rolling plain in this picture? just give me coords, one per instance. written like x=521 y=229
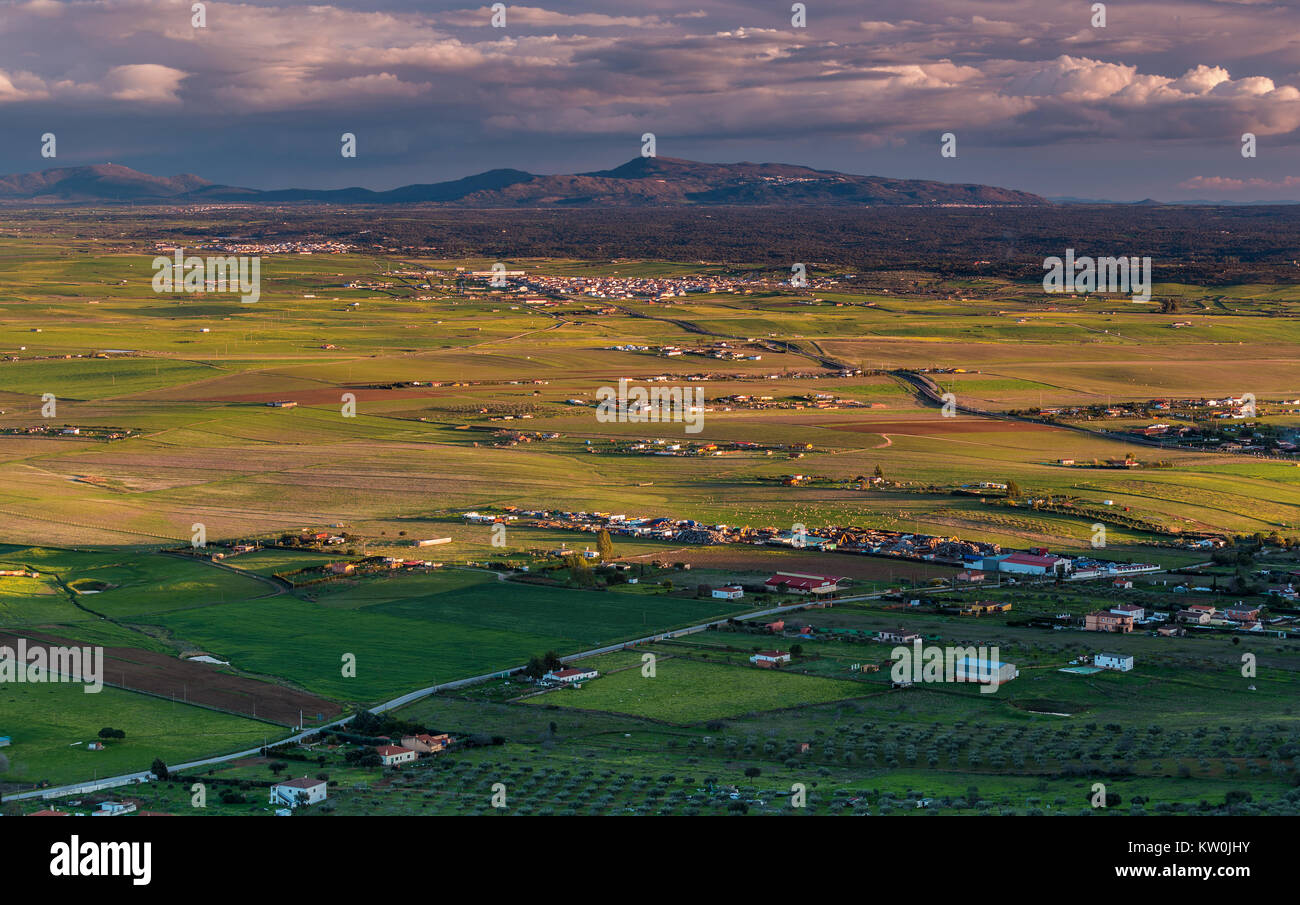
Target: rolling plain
x=163 y=426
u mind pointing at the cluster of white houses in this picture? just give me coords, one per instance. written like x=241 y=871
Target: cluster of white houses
x=1124 y=617
x=972 y=555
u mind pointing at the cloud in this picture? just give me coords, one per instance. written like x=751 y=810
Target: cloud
x=537 y=17
x=1004 y=73
x=146 y=83
x=1233 y=184
x=912 y=68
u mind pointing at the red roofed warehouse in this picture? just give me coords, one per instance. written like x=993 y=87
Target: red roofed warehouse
x=1033 y=564
x=802 y=583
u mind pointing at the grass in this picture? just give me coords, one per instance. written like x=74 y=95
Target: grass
x=411 y=631
x=687 y=691
x=90 y=515
x=50 y=725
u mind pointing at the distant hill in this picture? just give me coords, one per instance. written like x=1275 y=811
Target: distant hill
x=101 y=182
x=641 y=182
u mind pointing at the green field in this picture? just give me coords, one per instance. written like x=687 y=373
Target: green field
x=407 y=632
x=51 y=724
x=685 y=691
x=464 y=401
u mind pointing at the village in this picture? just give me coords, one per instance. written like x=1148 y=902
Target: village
x=655 y=288
x=976 y=556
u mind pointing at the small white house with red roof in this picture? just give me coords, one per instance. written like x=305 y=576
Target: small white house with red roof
x=394 y=755
x=569 y=675
x=770 y=659
x=293 y=792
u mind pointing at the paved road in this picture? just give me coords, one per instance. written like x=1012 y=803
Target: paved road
x=278 y=585
x=929 y=391
x=403 y=700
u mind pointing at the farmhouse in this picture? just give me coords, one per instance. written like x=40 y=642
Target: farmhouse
x=392 y=755
x=293 y=792
x=1102 y=621
x=1122 y=662
x=897 y=637
x=570 y=675
x=425 y=743
x=980 y=608
x=730 y=592
x=770 y=659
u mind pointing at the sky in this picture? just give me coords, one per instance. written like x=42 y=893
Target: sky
x=1039 y=98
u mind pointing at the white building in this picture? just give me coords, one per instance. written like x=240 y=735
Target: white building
x=113 y=809
x=973 y=669
x=731 y=592
x=1033 y=564
x=1122 y=662
x=570 y=675
x=393 y=755
x=293 y=792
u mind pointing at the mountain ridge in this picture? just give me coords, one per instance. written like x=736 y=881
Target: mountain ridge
x=640 y=182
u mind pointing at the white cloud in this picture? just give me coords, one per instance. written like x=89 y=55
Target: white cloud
x=146 y=83
x=916 y=67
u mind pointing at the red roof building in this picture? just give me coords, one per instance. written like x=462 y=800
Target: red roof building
x=391 y=755
x=800 y=584
x=570 y=674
